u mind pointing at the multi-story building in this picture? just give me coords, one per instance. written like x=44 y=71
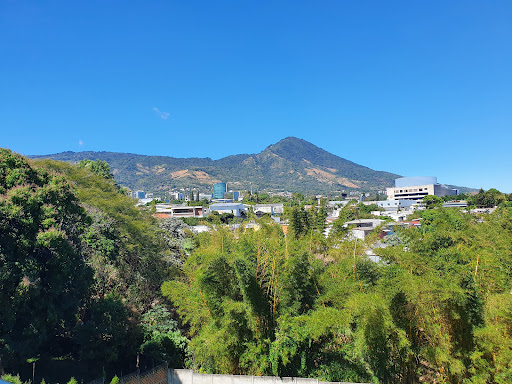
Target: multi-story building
x=219 y=190
x=139 y=194
x=416 y=188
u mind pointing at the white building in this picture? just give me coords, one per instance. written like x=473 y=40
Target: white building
x=235 y=208
x=271 y=209
x=362 y=227
x=180 y=210
x=416 y=188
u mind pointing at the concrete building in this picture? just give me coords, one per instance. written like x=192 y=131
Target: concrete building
x=397 y=216
x=206 y=196
x=394 y=205
x=271 y=209
x=416 y=188
x=235 y=208
x=176 y=195
x=362 y=227
x=178 y=210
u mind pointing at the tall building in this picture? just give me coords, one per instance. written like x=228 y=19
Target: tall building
x=417 y=187
x=219 y=190
x=140 y=195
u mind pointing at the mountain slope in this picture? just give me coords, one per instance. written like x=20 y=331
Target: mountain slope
x=292 y=164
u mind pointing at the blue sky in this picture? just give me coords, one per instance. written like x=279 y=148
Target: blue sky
x=410 y=87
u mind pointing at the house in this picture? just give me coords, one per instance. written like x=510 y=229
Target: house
x=359 y=229
x=271 y=209
x=179 y=210
x=397 y=216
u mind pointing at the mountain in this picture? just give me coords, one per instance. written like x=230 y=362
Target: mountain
x=292 y=164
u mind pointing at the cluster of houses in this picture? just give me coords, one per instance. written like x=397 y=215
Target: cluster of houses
x=236 y=209
x=403 y=199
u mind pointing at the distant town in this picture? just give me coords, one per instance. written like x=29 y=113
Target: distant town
x=390 y=207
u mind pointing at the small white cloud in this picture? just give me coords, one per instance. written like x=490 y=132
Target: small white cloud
x=80 y=142
x=163 y=115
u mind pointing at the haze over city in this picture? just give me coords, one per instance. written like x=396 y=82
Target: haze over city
x=404 y=87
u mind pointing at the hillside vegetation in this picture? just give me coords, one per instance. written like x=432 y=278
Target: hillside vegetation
x=80 y=270
x=291 y=164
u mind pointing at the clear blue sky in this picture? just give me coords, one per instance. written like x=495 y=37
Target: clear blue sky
x=411 y=87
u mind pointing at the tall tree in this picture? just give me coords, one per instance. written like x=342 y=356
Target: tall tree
x=43 y=276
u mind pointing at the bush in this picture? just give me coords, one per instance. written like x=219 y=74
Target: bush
x=12 y=379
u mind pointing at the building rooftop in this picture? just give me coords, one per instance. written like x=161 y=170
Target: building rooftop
x=225 y=205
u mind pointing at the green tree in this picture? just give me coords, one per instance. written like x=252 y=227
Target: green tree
x=123 y=243
x=104 y=334
x=98 y=167
x=235 y=292
x=489 y=198
x=432 y=201
x=297 y=225
x=162 y=340
x=43 y=278
x=178 y=238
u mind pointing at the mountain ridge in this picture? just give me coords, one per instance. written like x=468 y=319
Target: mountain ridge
x=291 y=164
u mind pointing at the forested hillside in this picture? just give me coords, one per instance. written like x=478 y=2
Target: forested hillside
x=291 y=164
x=80 y=272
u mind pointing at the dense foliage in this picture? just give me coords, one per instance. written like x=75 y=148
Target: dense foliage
x=43 y=279
x=80 y=268
x=436 y=309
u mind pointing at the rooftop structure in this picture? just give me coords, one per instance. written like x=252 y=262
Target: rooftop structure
x=415 y=180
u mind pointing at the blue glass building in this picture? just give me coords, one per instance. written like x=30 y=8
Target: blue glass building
x=219 y=190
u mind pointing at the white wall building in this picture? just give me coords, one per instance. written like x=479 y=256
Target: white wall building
x=234 y=208
x=362 y=227
x=272 y=209
x=416 y=188
x=181 y=210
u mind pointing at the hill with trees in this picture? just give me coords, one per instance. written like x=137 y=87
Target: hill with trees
x=80 y=273
x=292 y=164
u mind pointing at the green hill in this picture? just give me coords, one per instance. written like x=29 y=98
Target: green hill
x=292 y=164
